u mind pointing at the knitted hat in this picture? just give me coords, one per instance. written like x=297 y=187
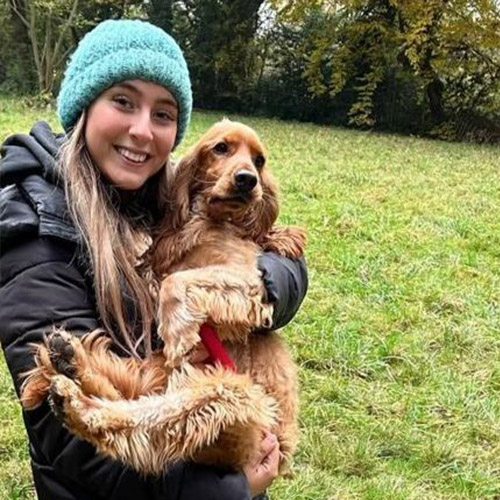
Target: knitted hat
x=115 y=51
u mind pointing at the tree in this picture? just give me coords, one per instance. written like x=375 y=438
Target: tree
x=54 y=27
x=218 y=37
x=160 y=13
x=448 y=49
x=47 y=23
x=15 y=74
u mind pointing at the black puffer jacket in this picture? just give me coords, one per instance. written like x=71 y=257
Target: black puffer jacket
x=42 y=283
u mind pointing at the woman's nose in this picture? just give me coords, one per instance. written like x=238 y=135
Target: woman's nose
x=141 y=127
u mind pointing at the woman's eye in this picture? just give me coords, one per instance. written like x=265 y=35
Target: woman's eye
x=221 y=148
x=123 y=102
x=165 y=116
x=259 y=161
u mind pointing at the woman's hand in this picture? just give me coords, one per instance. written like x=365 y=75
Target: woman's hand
x=199 y=356
x=263 y=470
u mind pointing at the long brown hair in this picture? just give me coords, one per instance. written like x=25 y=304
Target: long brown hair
x=111 y=241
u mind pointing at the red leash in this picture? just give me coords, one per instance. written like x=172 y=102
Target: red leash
x=215 y=348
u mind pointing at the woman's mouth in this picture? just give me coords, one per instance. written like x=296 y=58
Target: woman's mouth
x=132 y=156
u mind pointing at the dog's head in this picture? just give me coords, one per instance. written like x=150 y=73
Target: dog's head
x=225 y=177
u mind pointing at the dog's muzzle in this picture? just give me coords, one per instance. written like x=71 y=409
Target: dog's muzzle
x=245 y=181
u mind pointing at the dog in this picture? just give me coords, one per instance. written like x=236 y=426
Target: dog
x=148 y=413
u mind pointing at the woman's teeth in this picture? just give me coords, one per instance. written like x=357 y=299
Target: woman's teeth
x=135 y=157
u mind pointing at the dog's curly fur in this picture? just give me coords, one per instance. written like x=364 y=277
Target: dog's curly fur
x=152 y=412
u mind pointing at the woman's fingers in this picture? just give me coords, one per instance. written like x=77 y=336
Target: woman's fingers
x=199 y=355
x=263 y=470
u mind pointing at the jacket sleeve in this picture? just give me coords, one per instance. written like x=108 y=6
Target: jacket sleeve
x=39 y=291
x=286 y=285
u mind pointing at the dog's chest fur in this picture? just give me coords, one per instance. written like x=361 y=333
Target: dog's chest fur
x=204 y=243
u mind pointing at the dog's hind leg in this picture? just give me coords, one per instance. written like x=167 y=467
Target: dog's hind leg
x=89 y=361
x=66 y=354
x=152 y=431
x=100 y=372
x=81 y=359
x=111 y=428
x=274 y=369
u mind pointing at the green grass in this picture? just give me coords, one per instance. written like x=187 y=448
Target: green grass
x=398 y=341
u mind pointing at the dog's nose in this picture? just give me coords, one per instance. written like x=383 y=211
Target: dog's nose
x=245 y=180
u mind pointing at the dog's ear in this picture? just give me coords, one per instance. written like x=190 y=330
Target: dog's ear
x=259 y=221
x=181 y=188
x=178 y=195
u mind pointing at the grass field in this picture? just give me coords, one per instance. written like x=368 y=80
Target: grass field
x=398 y=341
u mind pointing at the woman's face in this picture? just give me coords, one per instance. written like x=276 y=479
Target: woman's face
x=130 y=132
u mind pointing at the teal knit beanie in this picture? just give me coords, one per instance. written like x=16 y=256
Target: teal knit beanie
x=115 y=51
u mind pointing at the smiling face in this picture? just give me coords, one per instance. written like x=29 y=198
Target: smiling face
x=130 y=131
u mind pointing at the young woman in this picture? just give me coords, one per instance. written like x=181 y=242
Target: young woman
x=76 y=213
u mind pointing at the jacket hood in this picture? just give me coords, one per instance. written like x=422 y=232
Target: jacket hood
x=27 y=154
x=31 y=202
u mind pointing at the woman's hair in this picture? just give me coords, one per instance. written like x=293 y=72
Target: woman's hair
x=110 y=238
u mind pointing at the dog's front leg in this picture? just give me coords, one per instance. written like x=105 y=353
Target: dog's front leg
x=285 y=240
x=178 y=322
x=231 y=298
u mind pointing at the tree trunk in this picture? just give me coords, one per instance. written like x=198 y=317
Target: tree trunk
x=434 y=91
x=46 y=43
x=24 y=72
x=161 y=14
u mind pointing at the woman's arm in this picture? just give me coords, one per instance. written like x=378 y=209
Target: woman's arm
x=41 y=286
x=286 y=284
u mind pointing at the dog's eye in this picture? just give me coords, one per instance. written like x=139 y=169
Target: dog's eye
x=259 y=161
x=221 y=148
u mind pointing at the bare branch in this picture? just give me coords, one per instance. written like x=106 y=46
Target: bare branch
x=15 y=8
x=34 y=45
x=62 y=58
x=63 y=31
x=46 y=44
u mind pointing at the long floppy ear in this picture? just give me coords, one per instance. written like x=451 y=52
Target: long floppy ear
x=259 y=221
x=178 y=194
x=180 y=188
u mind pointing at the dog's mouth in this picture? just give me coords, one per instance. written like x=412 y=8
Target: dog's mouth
x=232 y=199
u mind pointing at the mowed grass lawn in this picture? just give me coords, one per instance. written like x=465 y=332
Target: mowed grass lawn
x=398 y=341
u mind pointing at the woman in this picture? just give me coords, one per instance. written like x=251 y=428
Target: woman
x=76 y=213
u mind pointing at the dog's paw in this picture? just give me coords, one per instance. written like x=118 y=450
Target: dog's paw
x=175 y=356
x=266 y=316
x=62 y=392
x=62 y=353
